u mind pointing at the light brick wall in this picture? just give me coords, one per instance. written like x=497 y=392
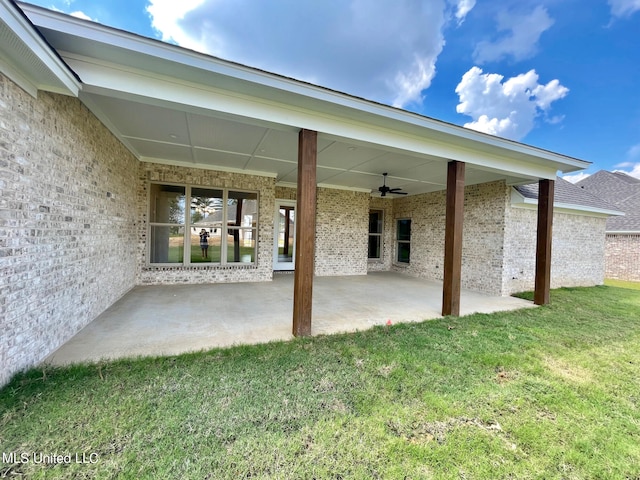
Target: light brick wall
x=285 y=193
x=577 y=250
x=623 y=257
x=67 y=223
x=427 y=214
x=342 y=229
x=519 y=250
x=482 y=235
x=265 y=186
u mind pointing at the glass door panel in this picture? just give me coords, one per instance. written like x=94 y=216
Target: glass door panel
x=284 y=254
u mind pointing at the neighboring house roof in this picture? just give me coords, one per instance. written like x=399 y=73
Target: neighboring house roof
x=569 y=196
x=621 y=190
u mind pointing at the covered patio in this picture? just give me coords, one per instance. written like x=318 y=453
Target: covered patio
x=173 y=319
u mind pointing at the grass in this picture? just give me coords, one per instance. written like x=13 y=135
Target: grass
x=175 y=254
x=551 y=392
x=622 y=284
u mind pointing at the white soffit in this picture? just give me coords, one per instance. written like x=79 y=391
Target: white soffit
x=27 y=59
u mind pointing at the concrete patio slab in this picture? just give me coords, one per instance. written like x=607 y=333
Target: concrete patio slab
x=173 y=319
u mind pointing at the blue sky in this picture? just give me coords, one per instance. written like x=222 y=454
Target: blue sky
x=563 y=75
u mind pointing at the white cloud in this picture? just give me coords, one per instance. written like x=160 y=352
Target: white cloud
x=634 y=152
x=519 y=39
x=165 y=18
x=624 y=8
x=82 y=15
x=384 y=51
x=632 y=166
x=463 y=7
x=507 y=109
x=576 y=177
x=634 y=170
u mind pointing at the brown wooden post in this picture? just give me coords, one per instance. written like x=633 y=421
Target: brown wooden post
x=453 y=239
x=305 y=232
x=543 y=243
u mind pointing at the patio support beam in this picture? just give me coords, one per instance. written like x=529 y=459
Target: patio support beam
x=543 y=242
x=305 y=232
x=453 y=239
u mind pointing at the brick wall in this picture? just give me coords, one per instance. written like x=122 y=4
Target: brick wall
x=342 y=229
x=482 y=235
x=577 y=250
x=263 y=268
x=427 y=214
x=622 y=260
x=67 y=223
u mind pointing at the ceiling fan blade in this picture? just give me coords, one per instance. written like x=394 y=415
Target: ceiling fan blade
x=384 y=189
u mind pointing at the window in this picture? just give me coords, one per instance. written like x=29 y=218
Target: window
x=196 y=225
x=404 y=240
x=375 y=234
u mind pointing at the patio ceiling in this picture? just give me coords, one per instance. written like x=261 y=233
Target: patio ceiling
x=169 y=135
x=174 y=106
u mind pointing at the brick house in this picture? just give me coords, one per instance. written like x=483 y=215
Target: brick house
x=113 y=146
x=622 y=250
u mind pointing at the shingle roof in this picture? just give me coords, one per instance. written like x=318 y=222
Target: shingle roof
x=621 y=190
x=569 y=194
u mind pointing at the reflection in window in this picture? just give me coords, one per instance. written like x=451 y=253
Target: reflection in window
x=404 y=240
x=206 y=210
x=215 y=226
x=167 y=219
x=242 y=218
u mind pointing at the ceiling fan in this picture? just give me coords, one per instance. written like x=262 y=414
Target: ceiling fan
x=384 y=189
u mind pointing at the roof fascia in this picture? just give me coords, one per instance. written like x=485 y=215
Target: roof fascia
x=520 y=201
x=28 y=35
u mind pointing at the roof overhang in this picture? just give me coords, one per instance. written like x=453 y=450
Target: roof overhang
x=177 y=95
x=26 y=57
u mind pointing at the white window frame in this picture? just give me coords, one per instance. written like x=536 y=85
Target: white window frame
x=186 y=256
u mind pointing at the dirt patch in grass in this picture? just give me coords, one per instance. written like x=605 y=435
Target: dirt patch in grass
x=567 y=370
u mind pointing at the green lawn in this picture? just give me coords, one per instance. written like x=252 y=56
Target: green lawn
x=176 y=254
x=622 y=284
x=551 y=392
